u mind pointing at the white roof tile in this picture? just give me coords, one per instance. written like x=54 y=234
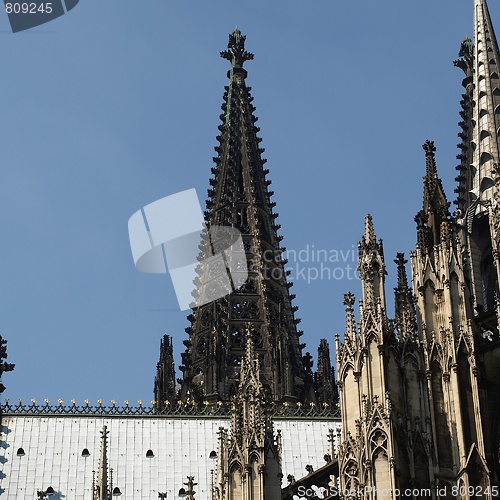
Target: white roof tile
x=181 y=446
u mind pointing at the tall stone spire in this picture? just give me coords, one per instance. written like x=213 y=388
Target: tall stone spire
x=239 y=198
x=479 y=179
x=486 y=114
x=481 y=118
x=474 y=305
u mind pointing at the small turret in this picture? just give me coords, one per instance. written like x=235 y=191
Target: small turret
x=433 y=221
x=372 y=268
x=325 y=386
x=405 y=305
x=165 y=374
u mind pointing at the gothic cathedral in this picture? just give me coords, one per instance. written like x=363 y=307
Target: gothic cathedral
x=420 y=394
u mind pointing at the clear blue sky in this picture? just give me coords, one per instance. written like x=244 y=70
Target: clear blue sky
x=116 y=105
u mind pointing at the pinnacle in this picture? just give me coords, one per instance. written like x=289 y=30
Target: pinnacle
x=402 y=278
x=430 y=159
x=369 y=242
x=249 y=345
x=350 y=322
x=236 y=53
x=349 y=300
x=369 y=230
x=434 y=196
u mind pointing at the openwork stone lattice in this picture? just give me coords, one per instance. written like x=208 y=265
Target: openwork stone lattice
x=167 y=409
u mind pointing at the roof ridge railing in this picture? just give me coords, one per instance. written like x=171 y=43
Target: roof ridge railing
x=177 y=408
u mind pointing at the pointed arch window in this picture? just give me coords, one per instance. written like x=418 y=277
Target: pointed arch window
x=351 y=476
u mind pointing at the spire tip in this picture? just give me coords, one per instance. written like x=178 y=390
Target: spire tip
x=236 y=53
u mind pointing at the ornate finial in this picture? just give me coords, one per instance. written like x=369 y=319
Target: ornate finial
x=405 y=306
x=388 y=402
x=422 y=238
x=250 y=362
x=249 y=345
x=349 y=300
x=369 y=236
x=350 y=323
x=236 y=53
x=402 y=277
x=430 y=160
x=331 y=443
x=465 y=56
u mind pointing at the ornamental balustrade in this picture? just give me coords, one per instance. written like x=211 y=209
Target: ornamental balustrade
x=165 y=409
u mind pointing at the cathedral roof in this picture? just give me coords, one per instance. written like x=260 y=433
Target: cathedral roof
x=148 y=454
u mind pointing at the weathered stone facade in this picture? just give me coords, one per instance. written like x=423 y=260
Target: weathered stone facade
x=249 y=456
x=420 y=394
